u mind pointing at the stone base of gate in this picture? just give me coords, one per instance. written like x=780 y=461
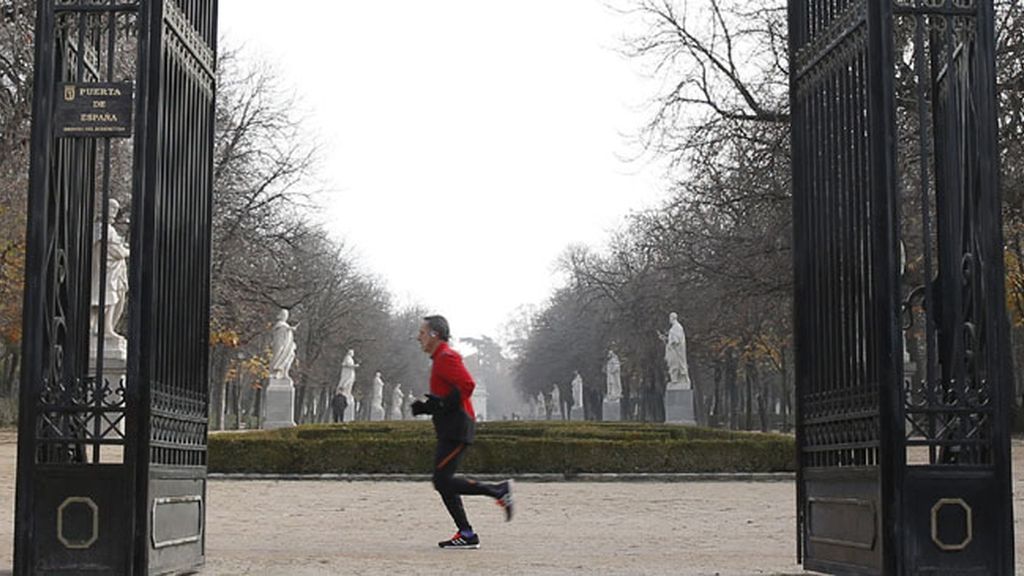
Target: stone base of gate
x=611 y=411
x=280 y=404
x=679 y=407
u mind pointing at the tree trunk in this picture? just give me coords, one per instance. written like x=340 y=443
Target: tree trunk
x=700 y=409
x=254 y=408
x=221 y=403
x=787 y=402
x=714 y=412
x=750 y=374
x=300 y=396
x=259 y=406
x=325 y=405
x=731 y=387
x=238 y=404
x=11 y=365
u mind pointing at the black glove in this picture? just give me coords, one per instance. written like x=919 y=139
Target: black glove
x=432 y=405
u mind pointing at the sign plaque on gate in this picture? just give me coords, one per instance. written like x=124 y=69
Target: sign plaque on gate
x=94 y=110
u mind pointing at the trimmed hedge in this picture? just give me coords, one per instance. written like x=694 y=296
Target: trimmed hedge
x=501 y=447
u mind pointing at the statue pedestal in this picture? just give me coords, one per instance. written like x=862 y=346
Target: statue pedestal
x=280 y=399
x=350 y=408
x=115 y=360
x=679 y=407
x=576 y=414
x=376 y=413
x=480 y=405
x=111 y=424
x=611 y=410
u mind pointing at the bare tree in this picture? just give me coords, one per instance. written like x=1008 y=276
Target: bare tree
x=16 y=41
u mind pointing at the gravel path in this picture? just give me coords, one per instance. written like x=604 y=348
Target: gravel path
x=298 y=528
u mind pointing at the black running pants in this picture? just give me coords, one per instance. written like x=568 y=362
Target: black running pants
x=452 y=488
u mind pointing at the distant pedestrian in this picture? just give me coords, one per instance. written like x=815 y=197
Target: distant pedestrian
x=338 y=405
x=453 y=416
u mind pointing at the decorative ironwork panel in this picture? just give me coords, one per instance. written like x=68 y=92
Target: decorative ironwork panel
x=950 y=393
x=839 y=384
x=957 y=378
x=841 y=240
x=76 y=402
x=177 y=297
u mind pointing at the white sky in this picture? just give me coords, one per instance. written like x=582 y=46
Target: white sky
x=466 y=142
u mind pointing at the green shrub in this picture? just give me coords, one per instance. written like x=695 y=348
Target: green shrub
x=501 y=448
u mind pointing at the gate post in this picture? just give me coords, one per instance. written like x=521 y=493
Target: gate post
x=898 y=261
x=113 y=407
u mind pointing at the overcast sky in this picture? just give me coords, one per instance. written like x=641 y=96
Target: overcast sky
x=466 y=142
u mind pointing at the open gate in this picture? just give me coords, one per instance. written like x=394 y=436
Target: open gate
x=113 y=408
x=904 y=377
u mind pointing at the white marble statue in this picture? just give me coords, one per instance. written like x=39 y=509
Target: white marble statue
x=377 y=398
x=675 y=355
x=348 y=375
x=556 y=401
x=346 y=381
x=540 y=410
x=408 y=406
x=282 y=347
x=395 y=407
x=577 y=390
x=479 y=399
x=613 y=377
x=115 y=287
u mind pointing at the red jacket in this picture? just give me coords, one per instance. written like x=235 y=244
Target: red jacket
x=448 y=375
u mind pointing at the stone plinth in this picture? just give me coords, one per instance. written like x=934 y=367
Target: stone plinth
x=376 y=412
x=480 y=405
x=280 y=398
x=679 y=407
x=115 y=362
x=115 y=359
x=611 y=410
x=576 y=414
x=350 y=408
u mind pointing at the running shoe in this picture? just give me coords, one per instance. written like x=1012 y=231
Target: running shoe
x=460 y=541
x=505 y=500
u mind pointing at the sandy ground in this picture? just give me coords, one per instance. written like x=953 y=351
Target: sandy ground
x=298 y=528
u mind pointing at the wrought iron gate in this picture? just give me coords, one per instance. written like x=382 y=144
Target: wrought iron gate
x=903 y=360
x=113 y=407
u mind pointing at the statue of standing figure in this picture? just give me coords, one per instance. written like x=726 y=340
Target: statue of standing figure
x=345 y=383
x=348 y=375
x=577 y=390
x=408 y=405
x=282 y=347
x=377 y=398
x=556 y=402
x=115 y=285
x=395 y=407
x=675 y=355
x=613 y=378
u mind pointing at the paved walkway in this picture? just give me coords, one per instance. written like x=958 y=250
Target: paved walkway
x=297 y=528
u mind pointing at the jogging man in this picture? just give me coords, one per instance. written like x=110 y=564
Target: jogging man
x=451 y=409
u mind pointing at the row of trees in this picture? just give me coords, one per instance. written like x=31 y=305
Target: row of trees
x=16 y=24
x=718 y=249
x=269 y=255
x=268 y=252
